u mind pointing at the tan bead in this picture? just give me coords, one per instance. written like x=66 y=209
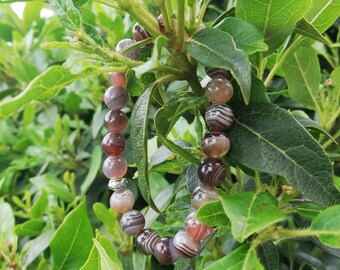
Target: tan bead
x=215 y=144
x=219 y=90
x=202 y=195
x=122 y=200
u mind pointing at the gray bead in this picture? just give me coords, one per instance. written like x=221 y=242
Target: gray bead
x=146 y=240
x=212 y=72
x=185 y=246
x=131 y=54
x=122 y=200
x=219 y=90
x=215 y=144
x=116 y=98
x=133 y=222
x=202 y=195
x=219 y=117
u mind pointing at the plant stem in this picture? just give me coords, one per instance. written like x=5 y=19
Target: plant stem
x=329 y=141
x=257 y=181
x=166 y=18
x=169 y=11
x=180 y=25
x=108 y=3
x=239 y=178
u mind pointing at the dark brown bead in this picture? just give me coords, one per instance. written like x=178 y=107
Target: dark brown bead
x=116 y=98
x=219 y=90
x=146 y=240
x=161 y=23
x=196 y=229
x=215 y=144
x=219 y=117
x=122 y=200
x=185 y=246
x=133 y=222
x=115 y=121
x=131 y=54
x=202 y=195
x=113 y=144
x=211 y=172
x=117 y=79
x=115 y=167
x=212 y=72
x=164 y=251
x=139 y=33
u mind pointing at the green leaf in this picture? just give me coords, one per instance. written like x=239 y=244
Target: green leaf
x=303 y=27
x=213 y=214
x=250 y=212
x=179 y=209
x=275 y=19
x=308 y=211
x=92 y=33
x=105 y=261
x=302 y=73
x=335 y=76
x=136 y=261
x=96 y=159
x=269 y=256
x=32 y=227
x=327 y=226
x=242 y=258
x=246 y=36
x=7 y=223
x=72 y=103
x=40 y=205
x=214 y=48
x=72 y=241
x=267 y=138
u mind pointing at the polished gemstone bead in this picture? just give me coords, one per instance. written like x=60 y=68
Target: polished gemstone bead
x=117 y=79
x=132 y=222
x=211 y=172
x=212 y=72
x=139 y=33
x=115 y=167
x=219 y=117
x=115 y=121
x=219 y=90
x=215 y=144
x=131 y=54
x=196 y=229
x=122 y=200
x=164 y=251
x=116 y=98
x=185 y=246
x=161 y=23
x=113 y=144
x=146 y=240
x=202 y=195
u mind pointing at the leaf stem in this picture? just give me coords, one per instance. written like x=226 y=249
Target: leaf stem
x=166 y=18
x=108 y=3
x=180 y=25
x=257 y=181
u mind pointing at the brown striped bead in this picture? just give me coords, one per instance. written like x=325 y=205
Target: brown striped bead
x=115 y=121
x=133 y=222
x=117 y=79
x=131 y=54
x=212 y=72
x=202 y=195
x=139 y=33
x=146 y=240
x=116 y=98
x=196 y=229
x=219 y=90
x=115 y=167
x=164 y=251
x=215 y=144
x=211 y=172
x=122 y=200
x=161 y=23
x=113 y=144
x=219 y=117
x=185 y=246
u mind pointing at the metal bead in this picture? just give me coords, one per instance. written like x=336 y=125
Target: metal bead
x=122 y=200
x=185 y=246
x=139 y=33
x=131 y=54
x=113 y=144
x=116 y=98
x=164 y=251
x=211 y=172
x=219 y=90
x=133 y=222
x=115 y=167
x=146 y=240
x=202 y=195
x=117 y=79
x=196 y=229
x=115 y=184
x=212 y=72
x=219 y=117
x=115 y=121
x=215 y=144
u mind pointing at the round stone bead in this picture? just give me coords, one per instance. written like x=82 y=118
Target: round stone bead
x=202 y=195
x=215 y=144
x=122 y=200
x=164 y=251
x=115 y=121
x=185 y=246
x=116 y=98
x=146 y=241
x=212 y=72
x=115 y=167
x=160 y=21
x=219 y=90
x=113 y=144
x=131 y=54
x=133 y=222
x=139 y=33
x=117 y=79
x=211 y=172
x=219 y=117
x=196 y=229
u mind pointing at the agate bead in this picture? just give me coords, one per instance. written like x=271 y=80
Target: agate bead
x=161 y=25
x=202 y=195
x=212 y=72
x=146 y=240
x=211 y=172
x=164 y=251
x=122 y=200
x=116 y=98
x=115 y=121
x=215 y=144
x=117 y=79
x=113 y=144
x=185 y=246
x=139 y=33
x=132 y=222
x=196 y=229
x=131 y=54
x=115 y=167
x=219 y=117
x=219 y=90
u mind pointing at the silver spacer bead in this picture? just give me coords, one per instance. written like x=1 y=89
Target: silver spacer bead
x=115 y=184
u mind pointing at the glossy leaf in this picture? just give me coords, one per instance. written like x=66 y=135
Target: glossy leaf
x=277 y=144
x=40 y=205
x=32 y=227
x=215 y=48
x=213 y=214
x=136 y=261
x=106 y=263
x=68 y=15
x=303 y=27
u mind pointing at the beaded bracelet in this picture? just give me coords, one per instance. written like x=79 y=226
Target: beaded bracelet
x=211 y=171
